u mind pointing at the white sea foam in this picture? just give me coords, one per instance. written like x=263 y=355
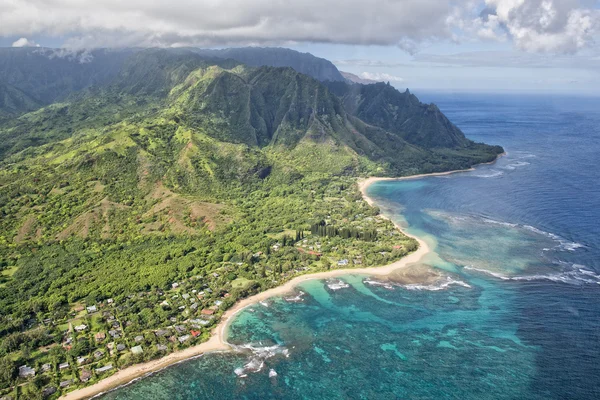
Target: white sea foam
x=574 y=274
x=337 y=284
x=258 y=356
x=439 y=285
x=295 y=299
x=372 y=282
x=444 y=284
x=563 y=244
x=515 y=165
x=272 y=373
x=489 y=174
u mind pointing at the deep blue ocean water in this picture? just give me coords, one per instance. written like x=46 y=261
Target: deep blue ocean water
x=519 y=317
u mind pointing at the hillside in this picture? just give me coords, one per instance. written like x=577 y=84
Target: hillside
x=185 y=174
x=305 y=63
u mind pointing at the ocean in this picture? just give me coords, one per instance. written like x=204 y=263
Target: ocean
x=517 y=316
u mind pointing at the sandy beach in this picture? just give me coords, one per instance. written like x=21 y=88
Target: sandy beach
x=218 y=340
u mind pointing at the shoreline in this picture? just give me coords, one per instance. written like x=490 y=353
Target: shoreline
x=218 y=340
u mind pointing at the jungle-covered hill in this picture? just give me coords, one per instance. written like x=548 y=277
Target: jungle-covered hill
x=162 y=166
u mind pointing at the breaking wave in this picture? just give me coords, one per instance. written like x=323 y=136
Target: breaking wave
x=439 y=285
x=489 y=174
x=336 y=284
x=575 y=274
x=259 y=354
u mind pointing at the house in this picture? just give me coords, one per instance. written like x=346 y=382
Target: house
x=194 y=306
x=78 y=308
x=48 y=391
x=161 y=347
x=104 y=369
x=180 y=328
x=62 y=366
x=164 y=303
x=121 y=347
x=26 y=372
x=81 y=360
x=114 y=334
x=200 y=321
x=357 y=262
x=85 y=375
x=137 y=350
x=207 y=311
x=100 y=336
x=81 y=328
x=276 y=246
x=46 y=367
x=110 y=301
x=65 y=384
x=342 y=262
x=215 y=274
x=98 y=354
x=138 y=338
x=175 y=285
x=183 y=338
x=218 y=303
x=91 y=309
x=162 y=332
x=195 y=333
x=185 y=296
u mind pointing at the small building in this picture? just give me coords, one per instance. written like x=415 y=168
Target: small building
x=138 y=338
x=162 y=333
x=180 y=328
x=161 y=347
x=195 y=333
x=121 y=347
x=85 y=375
x=81 y=360
x=207 y=311
x=137 y=350
x=26 y=371
x=342 y=262
x=46 y=367
x=194 y=306
x=100 y=336
x=65 y=384
x=218 y=303
x=183 y=338
x=104 y=369
x=81 y=328
x=185 y=296
x=91 y=309
x=175 y=285
x=62 y=366
x=98 y=354
x=110 y=301
x=48 y=391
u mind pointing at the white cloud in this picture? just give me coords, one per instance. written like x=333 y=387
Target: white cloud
x=533 y=25
x=24 y=42
x=224 y=22
x=380 y=77
x=556 y=26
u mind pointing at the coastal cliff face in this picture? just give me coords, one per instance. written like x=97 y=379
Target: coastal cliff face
x=149 y=171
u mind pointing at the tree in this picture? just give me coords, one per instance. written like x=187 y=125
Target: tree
x=7 y=371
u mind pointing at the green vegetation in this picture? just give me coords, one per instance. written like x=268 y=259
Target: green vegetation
x=136 y=213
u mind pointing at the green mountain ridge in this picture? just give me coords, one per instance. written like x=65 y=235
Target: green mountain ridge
x=203 y=172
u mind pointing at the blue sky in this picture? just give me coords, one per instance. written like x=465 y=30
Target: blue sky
x=450 y=45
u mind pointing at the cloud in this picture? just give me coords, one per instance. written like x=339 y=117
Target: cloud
x=534 y=25
x=554 y=26
x=24 y=42
x=380 y=77
x=115 y=23
x=369 y=63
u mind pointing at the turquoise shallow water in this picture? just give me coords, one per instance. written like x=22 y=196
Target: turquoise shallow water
x=519 y=318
